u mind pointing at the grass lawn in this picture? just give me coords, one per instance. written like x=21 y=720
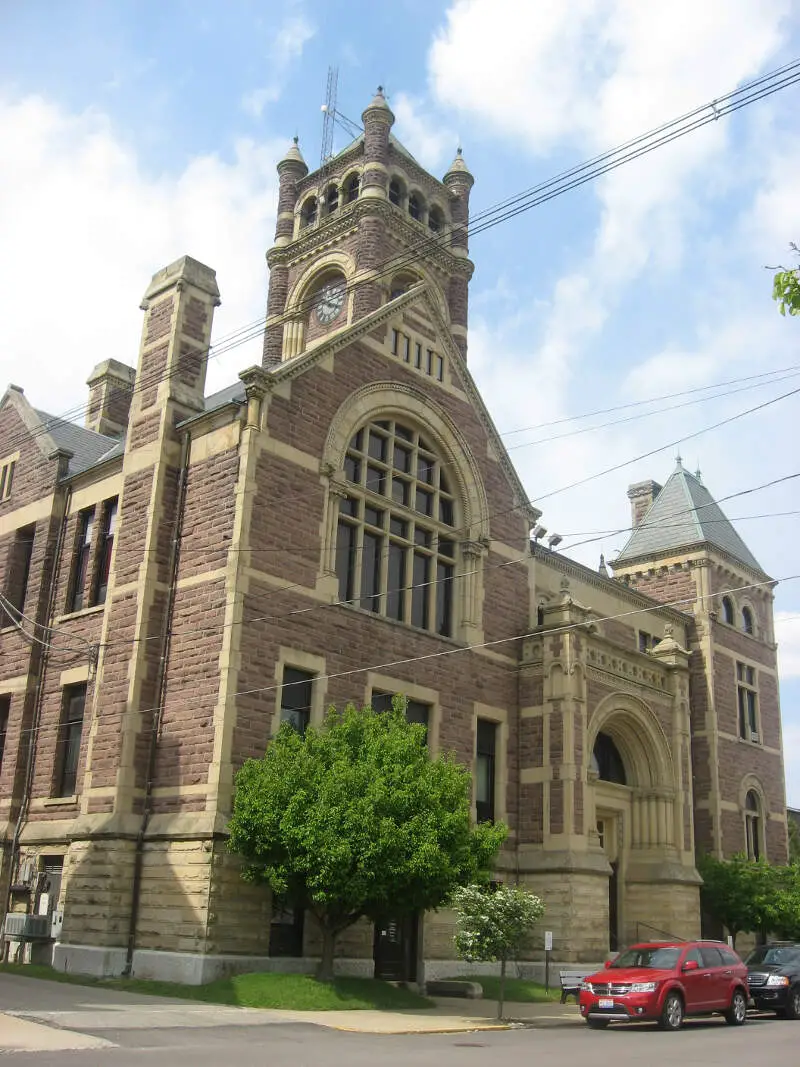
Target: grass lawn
x=296 y=992
x=518 y=990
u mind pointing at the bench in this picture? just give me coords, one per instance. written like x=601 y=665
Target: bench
x=571 y=981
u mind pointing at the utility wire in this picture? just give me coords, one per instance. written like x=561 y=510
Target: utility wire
x=326 y=605
x=548 y=632
x=749 y=93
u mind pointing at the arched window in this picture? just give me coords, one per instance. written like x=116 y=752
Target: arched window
x=308 y=214
x=396 y=191
x=352 y=187
x=747 y=620
x=331 y=200
x=727 y=610
x=435 y=219
x=607 y=762
x=396 y=547
x=752 y=825
x=415 y=206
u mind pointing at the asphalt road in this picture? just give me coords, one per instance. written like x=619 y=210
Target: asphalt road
x=147 y=1032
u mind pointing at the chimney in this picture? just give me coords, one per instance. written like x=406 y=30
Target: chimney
x=110 y=390
x=641 y=496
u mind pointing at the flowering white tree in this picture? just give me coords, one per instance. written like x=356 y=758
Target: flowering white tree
x=495 y=923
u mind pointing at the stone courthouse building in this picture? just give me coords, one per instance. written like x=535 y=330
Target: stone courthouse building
x=343 y=523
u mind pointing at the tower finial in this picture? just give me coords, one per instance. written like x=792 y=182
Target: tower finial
x=679 y=460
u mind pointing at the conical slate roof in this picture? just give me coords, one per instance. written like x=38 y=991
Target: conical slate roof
x=685 y=515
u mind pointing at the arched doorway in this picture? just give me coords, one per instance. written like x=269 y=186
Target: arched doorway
x=608 y=766
x=635 y=813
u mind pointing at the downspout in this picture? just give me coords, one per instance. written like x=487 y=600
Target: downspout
x=38 y=700
x=161 y=685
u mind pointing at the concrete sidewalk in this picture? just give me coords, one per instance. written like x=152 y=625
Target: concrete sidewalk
x=47 y=1015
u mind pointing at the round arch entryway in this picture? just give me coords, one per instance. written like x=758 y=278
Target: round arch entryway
x=633 y=794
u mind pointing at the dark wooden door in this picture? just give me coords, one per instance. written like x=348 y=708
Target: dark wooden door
x=395 y=949
x=613 y=908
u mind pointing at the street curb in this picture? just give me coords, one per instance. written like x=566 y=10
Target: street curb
x=422 y=1033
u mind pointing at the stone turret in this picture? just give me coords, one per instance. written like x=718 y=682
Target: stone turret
x=372 y=252
x=459 y=181
x=291 y=171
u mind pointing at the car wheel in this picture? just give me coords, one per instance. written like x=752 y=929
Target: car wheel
x=793 y=1003
x=736 y=1015
x=671 y=1013
x=597 y=1024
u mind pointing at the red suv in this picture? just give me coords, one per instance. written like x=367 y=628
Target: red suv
x=665 y=982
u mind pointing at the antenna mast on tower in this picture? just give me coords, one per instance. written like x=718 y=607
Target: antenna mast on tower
x=329 y=117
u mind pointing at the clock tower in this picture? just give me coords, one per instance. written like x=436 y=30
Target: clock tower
x=359 y=231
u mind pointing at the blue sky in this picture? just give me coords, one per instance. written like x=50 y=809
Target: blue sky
x=136 y=132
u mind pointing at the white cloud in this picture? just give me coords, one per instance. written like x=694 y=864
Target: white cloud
x=84 y=228
x=787 y=634
x=421 y=133
x=286 y=46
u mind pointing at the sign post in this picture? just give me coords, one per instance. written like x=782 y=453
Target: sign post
x=548 y=948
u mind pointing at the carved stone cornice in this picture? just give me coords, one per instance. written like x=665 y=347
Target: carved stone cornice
x=312 y=240
x=621 y=672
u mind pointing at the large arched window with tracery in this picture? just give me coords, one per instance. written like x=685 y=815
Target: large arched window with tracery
x=396 y=547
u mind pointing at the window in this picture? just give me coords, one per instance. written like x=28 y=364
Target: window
x=100 y=590
x=331 y=200
x=7 y=478
x=286 y=931
x=711 y=956
x=396 y=551
x=748 y=702
x=435 y=220
x=396 y=191
x=485 y=759
x=296 y=693
x=69 y=740
x=747 y=620
x=80 y=563
x=646 y=641
x=752 y=825
x=352 y=187
x=308 y=214
x=19 y=571
x=727 y=610
x=607 y=762
x=5 y=708
x=416 y=711
x=415 y=206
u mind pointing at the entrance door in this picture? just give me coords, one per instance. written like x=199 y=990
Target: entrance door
x=613 y=907
x=395 y=949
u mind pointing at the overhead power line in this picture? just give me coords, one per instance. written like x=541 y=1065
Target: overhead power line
x=477 y=646
x=749 y=93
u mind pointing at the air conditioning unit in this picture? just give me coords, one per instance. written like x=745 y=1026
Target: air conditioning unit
x=754 y=736
x=24 y=927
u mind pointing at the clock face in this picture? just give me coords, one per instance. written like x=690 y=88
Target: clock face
x=329 y=302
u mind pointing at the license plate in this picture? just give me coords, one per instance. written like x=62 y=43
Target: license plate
x=605 y=1002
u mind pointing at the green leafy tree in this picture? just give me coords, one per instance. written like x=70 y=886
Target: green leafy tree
x=794 y=840
x=356 y=820
x=786 y=288
x=752 y=895
x=495 y=924
x=728 y=893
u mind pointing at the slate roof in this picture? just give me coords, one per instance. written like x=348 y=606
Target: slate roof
x=230 y=394
x=685 y=515
x=86 y=446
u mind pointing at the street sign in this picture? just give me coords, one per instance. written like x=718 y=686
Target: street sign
x=548 y=940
